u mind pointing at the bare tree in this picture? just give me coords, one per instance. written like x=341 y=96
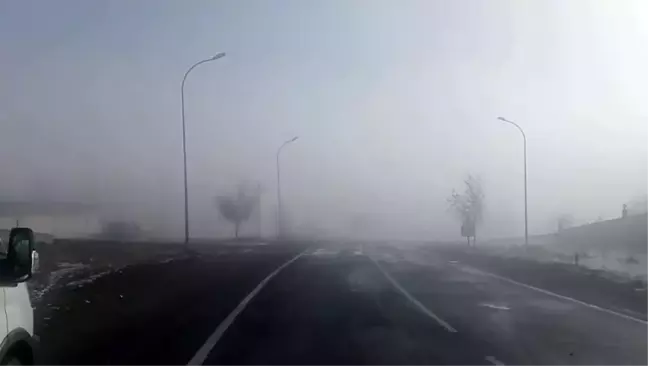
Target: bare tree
x=468 y=206
x=564 y=222
x=237 y=209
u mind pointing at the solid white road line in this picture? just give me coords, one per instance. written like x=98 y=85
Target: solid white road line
x=414 y=301
x=206 y=348
x=546 y=292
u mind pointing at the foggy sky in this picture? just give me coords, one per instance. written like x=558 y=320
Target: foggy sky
x=394 y=102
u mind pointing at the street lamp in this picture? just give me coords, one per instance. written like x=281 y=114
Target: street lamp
x=526 y=215
x=184 y=144
x=279 y=213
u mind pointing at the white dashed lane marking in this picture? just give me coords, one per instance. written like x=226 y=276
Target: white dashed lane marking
x=414 y=301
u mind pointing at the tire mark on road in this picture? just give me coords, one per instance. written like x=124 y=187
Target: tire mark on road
x=206 y=348
x=411 y=298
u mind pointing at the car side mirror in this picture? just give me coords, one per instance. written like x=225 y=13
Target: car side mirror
x=17 y=266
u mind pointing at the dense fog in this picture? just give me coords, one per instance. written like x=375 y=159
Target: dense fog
x=394 y=104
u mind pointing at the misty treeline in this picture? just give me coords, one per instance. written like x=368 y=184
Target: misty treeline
x=120 y=230
x=636 y=206
x=238 y=207
x=468 y=206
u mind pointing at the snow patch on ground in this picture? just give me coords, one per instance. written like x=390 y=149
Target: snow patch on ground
x=325 y=252
x=84 y=281
x=167 y=260
x=64 y=270
x=493 y=360
x=495 y=306
x=67 y=271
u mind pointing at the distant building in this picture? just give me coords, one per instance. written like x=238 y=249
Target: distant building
x=58 y=219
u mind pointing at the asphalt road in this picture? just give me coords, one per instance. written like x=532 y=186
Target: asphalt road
x=345 y=304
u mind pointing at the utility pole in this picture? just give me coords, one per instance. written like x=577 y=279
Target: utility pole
x=279 y=210
x=526 y=212
x=184 y=144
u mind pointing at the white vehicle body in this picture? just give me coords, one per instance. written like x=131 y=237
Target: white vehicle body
x=18 y=309
x=16 y=322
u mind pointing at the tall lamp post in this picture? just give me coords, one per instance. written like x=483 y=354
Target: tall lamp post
x=184 y=144
x=526 y=215
x=279 y=212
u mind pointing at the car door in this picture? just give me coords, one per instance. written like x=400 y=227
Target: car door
x=18 y=310
x=3 y=315
x=4 y=329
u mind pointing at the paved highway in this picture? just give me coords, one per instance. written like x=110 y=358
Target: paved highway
x=345 y=304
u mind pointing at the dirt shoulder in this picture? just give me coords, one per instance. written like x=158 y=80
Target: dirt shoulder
x=596 y=287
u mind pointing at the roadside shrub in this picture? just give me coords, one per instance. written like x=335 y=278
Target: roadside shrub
x=121 y=230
